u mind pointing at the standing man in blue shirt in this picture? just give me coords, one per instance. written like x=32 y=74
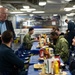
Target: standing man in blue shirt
x=4 y=23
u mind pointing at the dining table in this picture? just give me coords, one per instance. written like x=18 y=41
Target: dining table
x=35 y=60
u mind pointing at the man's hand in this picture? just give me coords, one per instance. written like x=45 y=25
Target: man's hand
x=36 y=40
x=73 y=43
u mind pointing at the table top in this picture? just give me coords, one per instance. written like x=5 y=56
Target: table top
x=34 y=49
x=32 y=71
x=35 y=44
x=34 y=60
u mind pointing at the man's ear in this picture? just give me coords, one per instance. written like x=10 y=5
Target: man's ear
x=1 y=38
x=11 y=39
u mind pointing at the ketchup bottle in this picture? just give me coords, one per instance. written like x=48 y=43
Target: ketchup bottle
x=41 y=53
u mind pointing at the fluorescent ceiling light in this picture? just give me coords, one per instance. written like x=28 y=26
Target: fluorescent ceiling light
x=26 y=7
x=31 y=14
x=27 y=10
x=16 y=12
x=22 y=14
x=68 y=0
x=42 y=3
x=1 y=6
x=67 y=14
x=54 y=2
x=68 y=9
x=71 y=14
x=38 y=12
x=73 y=6
x=55 y=14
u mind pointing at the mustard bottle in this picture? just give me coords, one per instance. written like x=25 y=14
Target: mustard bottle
x=56 y=67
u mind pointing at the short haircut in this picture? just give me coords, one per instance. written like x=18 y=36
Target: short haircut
x=6 y=36
x=66 y=20
x=62 y=33
x=57 y=29
x=54 y=33
x=30 y=29
x=53 y=28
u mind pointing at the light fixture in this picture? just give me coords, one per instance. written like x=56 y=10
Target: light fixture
x=28 y=10
x=68 y=9
x=16 y=12
x=42 y=3
x=38 y=12
x=22 y=14
x=26 y=7
x=68 y=0
x=71 y=14
x=51 y=1
x=55 y=14
x=67 y=14
x=1 y=6
x=73 y=6
x=31 y=14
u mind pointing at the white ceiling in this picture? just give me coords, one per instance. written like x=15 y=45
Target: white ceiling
x=52 y=6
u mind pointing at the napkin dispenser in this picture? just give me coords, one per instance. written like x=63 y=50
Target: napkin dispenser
x=48 y=66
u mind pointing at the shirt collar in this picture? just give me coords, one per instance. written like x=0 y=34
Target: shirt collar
x=2 y=22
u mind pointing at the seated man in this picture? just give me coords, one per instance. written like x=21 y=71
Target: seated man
x=58 y=31
x=27 y=41
x=61 y=46
x=9 y=62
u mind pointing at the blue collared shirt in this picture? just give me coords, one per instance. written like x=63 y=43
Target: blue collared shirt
x=2 y=27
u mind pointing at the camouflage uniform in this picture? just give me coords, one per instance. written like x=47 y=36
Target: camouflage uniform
x=27 y=41
x=61 y=48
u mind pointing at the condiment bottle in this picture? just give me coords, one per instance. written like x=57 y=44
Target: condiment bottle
x=56 y=67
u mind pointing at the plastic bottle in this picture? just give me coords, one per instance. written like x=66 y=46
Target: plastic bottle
x=56 y=67
x=42 y=53
x=46 y=66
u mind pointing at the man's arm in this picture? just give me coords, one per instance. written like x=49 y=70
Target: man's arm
x=27 y=40
x=64 y=48
x=69 y=26
x=12 y=29
x=9 y=26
